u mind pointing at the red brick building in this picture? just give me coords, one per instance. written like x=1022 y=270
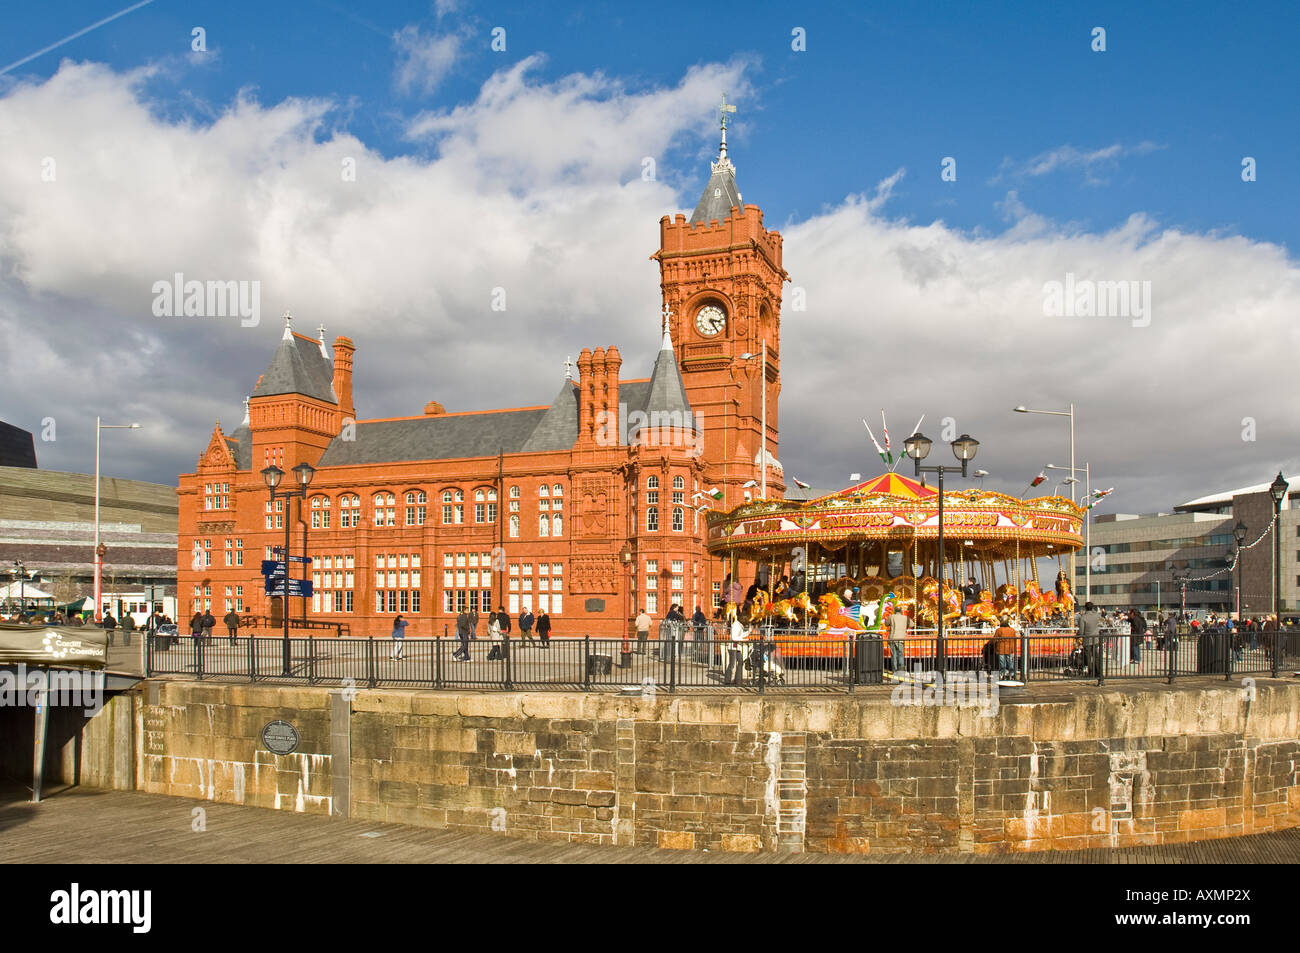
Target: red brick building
x=427 y=514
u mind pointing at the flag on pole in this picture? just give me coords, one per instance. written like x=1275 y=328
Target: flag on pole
x=1098 y=496
x=885 y=427
x=884 y=456
x=800 y=484
x=1042 y=477
x=715 y=493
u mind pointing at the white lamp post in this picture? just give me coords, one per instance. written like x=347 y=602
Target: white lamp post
x=99 y=550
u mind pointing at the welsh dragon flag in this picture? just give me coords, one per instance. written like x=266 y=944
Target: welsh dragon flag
x=1041 y=478
x=885 y=455
x=1098 y=496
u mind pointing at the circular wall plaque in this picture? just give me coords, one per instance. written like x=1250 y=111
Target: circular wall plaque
x=280 y=737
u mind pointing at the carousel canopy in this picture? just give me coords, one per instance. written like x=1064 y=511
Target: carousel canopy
x=896 y=514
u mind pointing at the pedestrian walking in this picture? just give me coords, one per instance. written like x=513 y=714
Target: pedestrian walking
x=499 y=633
x=232 y=625
x=642 y=623
x=526 y=620
x=462 y=633
x=399 y=634
x=544 y=629
x=473 y=622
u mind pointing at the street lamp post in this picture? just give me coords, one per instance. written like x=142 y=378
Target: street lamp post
x=1277 y=490
x=762 y=440
x=272 y=475
x=1239 y=534
x=100 y=549
x=1022 y=409
x=625 y=555
x=964 y=448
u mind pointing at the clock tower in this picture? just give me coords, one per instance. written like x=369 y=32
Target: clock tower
x=721 y=277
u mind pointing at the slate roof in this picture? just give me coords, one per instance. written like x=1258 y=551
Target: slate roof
x=298 y=367
x=455 y=436
x=241 y=447
x=666 y=394
x=718 y=206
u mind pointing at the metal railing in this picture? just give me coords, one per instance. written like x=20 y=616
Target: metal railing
x=778 y=660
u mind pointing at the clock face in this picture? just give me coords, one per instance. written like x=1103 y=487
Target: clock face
x=710 y=319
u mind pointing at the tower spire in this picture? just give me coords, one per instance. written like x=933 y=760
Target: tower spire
x=723 y=162
x=667 y=344
x=288 y=322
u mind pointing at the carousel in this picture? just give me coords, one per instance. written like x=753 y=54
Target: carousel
x=878 y=542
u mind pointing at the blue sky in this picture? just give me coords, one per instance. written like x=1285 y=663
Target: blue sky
x=1185 y=89
x=522 y=169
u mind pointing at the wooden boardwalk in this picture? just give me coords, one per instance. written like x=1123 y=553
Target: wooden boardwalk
x=86 y=826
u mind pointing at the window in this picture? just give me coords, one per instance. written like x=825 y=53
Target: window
x=543 y=490
x=678 y=519
x=207 y=552
x=230 y=554
x=652 y=519
x=514 y=526
x=543 y=525
x=557 y=490
x=514 y=493
x=480 y=512
x=652 y=483
x=239 y=552
x=415 y=508
x=679 y=483
x=385 y=509
x=557 y=525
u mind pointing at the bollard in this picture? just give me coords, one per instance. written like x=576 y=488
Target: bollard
x=370 y=660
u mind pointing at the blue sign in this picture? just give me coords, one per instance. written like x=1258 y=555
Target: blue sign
x=298 y=588
x=272 y=568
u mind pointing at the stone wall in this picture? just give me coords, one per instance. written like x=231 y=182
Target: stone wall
x=842 y=774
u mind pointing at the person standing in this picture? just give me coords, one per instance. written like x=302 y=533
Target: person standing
x=128 y=626
x=1007 y=642
x=1091 y=637
x=399 y=634
x=494 y=634
x=209 y=623
x=700 y=623
x=196 y=626
x=544 y=629
x=232 y=625
x=643 y=621
x=462 y=632
x=526 y=620
x=1137 y=635
x=109 y=625
x=735 y=669
x=473 y=621
x=898 y=626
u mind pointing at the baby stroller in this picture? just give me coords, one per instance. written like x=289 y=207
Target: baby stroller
x=763 y=656
x=1076 y=663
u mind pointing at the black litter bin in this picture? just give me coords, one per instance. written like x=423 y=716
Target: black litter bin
x=870 y=654
x=599 y=664
x=1212 y=653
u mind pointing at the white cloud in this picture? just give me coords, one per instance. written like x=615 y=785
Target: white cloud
x=423 y=61
x=535 y=187
x=1095 y=164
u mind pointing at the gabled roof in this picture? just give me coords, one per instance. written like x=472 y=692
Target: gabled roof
x=719 y=196
x=298 y=367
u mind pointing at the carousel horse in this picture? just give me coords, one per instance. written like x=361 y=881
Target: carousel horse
x=1064 y=593
x=804 y=607
x=951 y=604
x=835 y=618
x=1031 y=602
x=1008 y=599
x=984 y=610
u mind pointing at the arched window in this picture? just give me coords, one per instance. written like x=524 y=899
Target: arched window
x=514 y=493
x=446 y=496
x=478 y=496
x=652 y=483
x=557 y=525
x=460 y=496
x=652 y=519
x=679 y=483
x=543 y=490
x=544 y=525
x=514 y=526
x=677 y=519
x=557 y=490
x=349 y=511
x=415 y=508
x=385 y=509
